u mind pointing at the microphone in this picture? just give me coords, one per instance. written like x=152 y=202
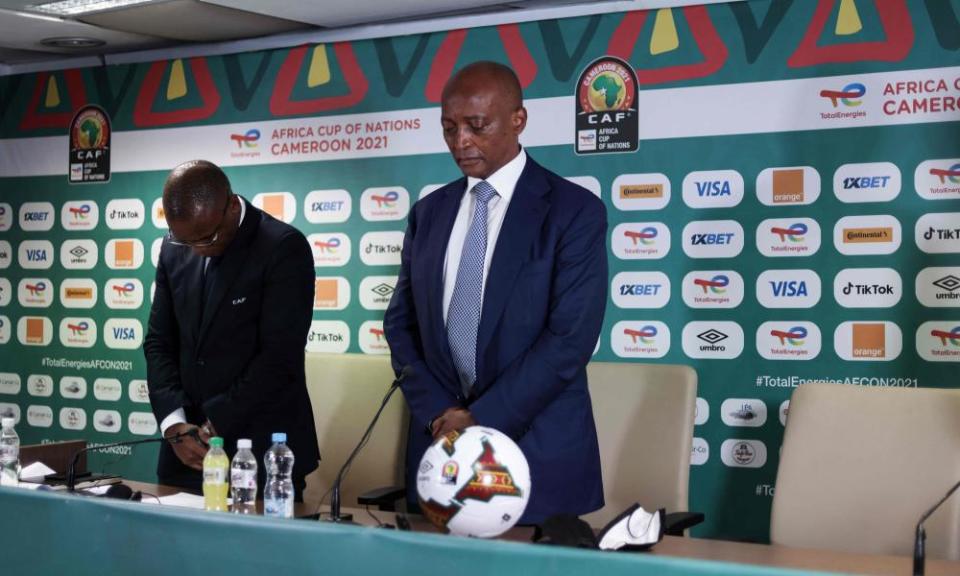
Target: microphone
x=335 y=515
x=919 y=542
x=72 y=469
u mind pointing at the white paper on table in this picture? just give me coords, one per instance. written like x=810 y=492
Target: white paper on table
x=36 y=469
x=180 y=499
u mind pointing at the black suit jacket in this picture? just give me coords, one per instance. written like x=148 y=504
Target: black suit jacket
x=238 y=358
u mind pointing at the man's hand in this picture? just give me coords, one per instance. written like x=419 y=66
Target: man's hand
x=188 y=449
x=452 y=419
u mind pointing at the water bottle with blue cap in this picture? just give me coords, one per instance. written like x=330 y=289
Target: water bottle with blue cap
x=278 y=491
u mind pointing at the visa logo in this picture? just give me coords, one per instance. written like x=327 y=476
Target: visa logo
x=713 y=188
x=639 y=289
x=789 y=288
x=124 y=333
x=712 y=239
x=36 y=255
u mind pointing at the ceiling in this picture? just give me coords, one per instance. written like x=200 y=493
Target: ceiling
x=174 y=24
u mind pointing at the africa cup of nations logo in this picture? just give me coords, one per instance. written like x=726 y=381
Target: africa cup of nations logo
x=90 y=145
x=606 y=115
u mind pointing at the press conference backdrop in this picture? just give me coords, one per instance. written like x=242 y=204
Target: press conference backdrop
x=792 y=212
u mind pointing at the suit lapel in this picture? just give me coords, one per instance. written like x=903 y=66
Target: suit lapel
x=439 y=239
x=521 y=225
x=193 y=268
x=231 y=265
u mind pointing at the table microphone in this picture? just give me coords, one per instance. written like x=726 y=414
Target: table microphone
x=72 y=469
x=335 y=515
x=919 y=542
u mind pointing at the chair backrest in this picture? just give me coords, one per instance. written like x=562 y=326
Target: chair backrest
x=859 y=466
x=644 y=415
x=346 y=390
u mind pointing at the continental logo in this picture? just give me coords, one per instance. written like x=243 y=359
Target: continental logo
x=5 y=329
x=142 y=423
x=864 y=235
x=107 y=389
x=867 y=235
x=641 y=191
x=649 y=191
x=78 y=293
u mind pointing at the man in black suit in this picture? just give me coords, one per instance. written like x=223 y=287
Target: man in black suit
x=230 y=316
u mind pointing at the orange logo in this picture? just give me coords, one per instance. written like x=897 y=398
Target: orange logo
x=273 y=205
x=326 y=293
x=123 y=253
x=788 y=186
x=869 y=341
x=35 y=330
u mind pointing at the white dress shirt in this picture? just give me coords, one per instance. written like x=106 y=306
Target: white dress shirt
x=504 y=181
x=178 y=416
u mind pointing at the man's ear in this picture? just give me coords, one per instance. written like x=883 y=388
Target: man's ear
x=519 y=119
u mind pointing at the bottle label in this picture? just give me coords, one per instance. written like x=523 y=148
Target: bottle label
x=9 y=452
x=243 y=478
x=214 y=476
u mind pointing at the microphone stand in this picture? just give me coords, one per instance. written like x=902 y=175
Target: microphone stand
x=919 y=542
x=335 y=515
x=72 y=469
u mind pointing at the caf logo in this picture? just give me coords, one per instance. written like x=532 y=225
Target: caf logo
x=606 y=108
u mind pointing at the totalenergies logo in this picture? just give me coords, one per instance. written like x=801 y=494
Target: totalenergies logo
x=79 y=329
x=952 y=174
x=123 y=290
x=377 y=333
x=794 y=336
x=327 y=247
x=37 y=289
x=81 y=212
x=850 y=95
x=794 y=233
x=386 y=200
x=248 y=139
x=953 y=336
x=644 y=335
x=717 y=285
x=647 y=236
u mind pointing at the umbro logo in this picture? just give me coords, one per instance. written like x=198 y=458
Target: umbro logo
x=949 y=283
x=712 y=336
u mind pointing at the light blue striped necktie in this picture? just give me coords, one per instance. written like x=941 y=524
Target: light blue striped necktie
x=463 y=317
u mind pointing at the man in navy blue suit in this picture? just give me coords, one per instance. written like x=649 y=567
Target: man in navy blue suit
x=500 y=299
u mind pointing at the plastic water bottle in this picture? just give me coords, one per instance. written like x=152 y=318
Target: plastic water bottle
x=278 y=492
x=216 y=470
x=243 y=478
x=9 y=454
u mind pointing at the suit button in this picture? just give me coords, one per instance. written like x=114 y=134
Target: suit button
x=200 y=363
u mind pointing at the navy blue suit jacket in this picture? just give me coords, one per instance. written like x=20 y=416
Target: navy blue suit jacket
x=543 y=307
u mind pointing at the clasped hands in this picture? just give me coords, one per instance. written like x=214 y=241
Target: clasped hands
x=190 y=449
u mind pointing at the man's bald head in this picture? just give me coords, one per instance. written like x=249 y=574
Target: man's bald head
x=487 y=74
x=482 y=116
x=193 y=188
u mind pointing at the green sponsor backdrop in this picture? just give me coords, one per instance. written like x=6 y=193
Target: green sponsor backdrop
x=731 y=44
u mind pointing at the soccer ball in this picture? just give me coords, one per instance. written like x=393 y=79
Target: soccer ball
x=474 y=482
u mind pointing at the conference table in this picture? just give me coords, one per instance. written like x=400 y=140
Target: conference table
x=57 y=532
